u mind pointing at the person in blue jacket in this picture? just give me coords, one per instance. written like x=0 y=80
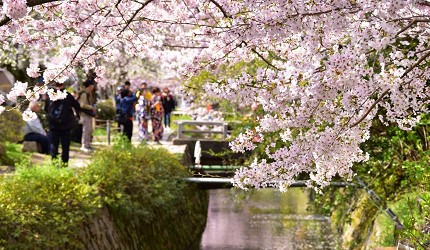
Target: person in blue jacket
x=127 y=105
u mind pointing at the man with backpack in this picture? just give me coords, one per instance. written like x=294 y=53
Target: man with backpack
x=61 y=120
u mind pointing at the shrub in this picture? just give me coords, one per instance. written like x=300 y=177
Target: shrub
x=105 y=110
x=49 y=207
x=42 y=207
x=11 y=126
x=137 y=181
x=12 y=154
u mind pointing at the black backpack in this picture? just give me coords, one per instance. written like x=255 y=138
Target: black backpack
x=56 y=112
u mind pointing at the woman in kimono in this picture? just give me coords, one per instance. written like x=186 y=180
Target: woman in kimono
x=157 y=114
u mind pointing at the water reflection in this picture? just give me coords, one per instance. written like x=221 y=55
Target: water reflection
x=264 y=219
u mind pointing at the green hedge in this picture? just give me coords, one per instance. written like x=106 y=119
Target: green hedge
x=105 y=110
x=42 y=207
x=46 y=206
x=11 y=126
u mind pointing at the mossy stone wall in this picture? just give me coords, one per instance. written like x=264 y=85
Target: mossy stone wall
x=183 y=230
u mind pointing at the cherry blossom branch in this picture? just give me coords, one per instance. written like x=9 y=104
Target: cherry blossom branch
x=416 y=64
x=423 y=2
x=413 y=22
x=406 y=27
x=170 y=22
x=264 y=59
x=322 y=12
x=383 y=94
x=184 y=46
x=220 y=8
x=388 y=90
x=134 y=15
x=30 y=3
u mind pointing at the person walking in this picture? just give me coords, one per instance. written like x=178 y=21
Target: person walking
x=126 y=107
x=61 y=120
x=168 y=106
x=157 y=115
x=143 y=112
x=34 y=130
x=87 y=101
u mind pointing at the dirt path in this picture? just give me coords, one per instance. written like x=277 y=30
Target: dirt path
x=79 y=158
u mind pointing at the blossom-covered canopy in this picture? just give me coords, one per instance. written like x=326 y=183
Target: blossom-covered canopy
x=331 y=66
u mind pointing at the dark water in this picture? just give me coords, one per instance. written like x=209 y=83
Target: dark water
x=264 y=219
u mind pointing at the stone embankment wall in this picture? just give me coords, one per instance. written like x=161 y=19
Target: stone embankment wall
x=180 y=230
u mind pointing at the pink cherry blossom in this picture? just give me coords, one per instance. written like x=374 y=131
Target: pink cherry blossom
x=33 y=71
x=56 y=94
x=28 y=115
x=15 y=9
x=320 y=70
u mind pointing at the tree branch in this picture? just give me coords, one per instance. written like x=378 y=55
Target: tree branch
x=184 y=46
x=407 y=27
x=264 y=59
x=30 y=3
x=371 y=108
x=220 y=8
x=134 y=15
x=424 y=2
x=416 y=64
x=388 y=90
x=413 y=22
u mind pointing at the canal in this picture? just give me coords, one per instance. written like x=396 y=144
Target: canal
x=265 y=219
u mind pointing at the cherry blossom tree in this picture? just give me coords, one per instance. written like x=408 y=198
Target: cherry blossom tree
x=331 y=67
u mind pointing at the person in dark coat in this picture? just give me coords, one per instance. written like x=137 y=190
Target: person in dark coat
x=168 y=106
x=127 y=107
x=61 y=131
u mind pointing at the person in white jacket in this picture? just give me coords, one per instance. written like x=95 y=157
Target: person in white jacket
x=34 y=130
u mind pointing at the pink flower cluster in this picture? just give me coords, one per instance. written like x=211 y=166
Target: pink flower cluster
x=15 y=9
x=320 y=70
